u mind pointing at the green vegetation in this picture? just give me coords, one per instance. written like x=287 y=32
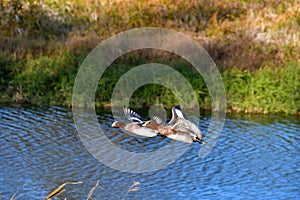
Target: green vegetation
x=268 y=90
x=255 y=44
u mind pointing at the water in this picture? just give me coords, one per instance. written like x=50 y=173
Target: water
x=257 y=157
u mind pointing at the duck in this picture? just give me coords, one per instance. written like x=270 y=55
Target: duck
x=136 y=126
x=178 y=128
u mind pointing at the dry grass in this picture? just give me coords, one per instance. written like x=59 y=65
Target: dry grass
x=90 y=194
x=61 y=189
x=14 y=196
x=133 y=188
x=234 y=33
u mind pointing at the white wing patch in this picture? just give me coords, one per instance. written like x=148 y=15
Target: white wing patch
x=179 y=113
x=132 y=115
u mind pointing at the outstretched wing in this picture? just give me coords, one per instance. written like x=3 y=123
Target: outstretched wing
x=133 y=116
x=184 y=125
x=176 y=113
x=157 y=119
x=158 y=114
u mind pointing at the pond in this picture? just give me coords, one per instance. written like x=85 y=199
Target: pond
x=256 y=157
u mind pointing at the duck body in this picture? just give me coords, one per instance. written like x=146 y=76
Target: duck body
x=161 y=129
x=135 y=128
x=182 y=137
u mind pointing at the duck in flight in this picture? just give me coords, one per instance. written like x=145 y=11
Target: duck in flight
x=135 y=125
x=178 y=128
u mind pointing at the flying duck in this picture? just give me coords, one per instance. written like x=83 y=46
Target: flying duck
x=178 y=128
x=136 y=124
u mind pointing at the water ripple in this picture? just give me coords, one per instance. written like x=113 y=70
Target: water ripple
x=256 y=157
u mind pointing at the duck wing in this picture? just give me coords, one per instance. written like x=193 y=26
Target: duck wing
x=157 y=114
x=195 y=130
x=157 y=119
x=133 y=116
x=184 y=125
x=140 y=130
x=181 y=124
x=176 y=114
x=182 y=137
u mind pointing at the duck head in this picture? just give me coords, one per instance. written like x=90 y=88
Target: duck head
x=151 y=124
x=115 y=125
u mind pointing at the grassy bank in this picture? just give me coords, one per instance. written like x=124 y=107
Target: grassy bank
x=49 y=80
x=255 y=44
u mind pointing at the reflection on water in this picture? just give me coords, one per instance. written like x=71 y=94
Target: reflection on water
x=256 y=157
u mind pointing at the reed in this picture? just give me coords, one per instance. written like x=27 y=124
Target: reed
x=14 y=196
x=92 y=191
x=59 y=190
x=133 y=188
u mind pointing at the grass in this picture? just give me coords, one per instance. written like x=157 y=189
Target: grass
x=61 y=189
x=265 y=91
x=255 y=44
x=234 y=33
x=49 y=81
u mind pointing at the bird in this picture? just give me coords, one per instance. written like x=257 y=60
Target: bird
x=136 y=124
x=178 y=128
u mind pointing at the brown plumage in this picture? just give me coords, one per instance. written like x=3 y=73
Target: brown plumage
x=135 y=128
x=161 y=129
x=178 y=128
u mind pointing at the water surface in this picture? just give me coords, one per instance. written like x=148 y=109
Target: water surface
x=257 y=157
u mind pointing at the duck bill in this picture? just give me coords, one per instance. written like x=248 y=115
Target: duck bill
x=202 y=142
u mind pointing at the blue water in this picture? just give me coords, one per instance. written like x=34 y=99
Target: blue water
x=257 y=157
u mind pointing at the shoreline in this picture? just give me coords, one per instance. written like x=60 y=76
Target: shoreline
x=264 y=91
x=107 y=106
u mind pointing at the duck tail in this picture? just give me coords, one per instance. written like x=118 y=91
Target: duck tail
x=201 y=141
